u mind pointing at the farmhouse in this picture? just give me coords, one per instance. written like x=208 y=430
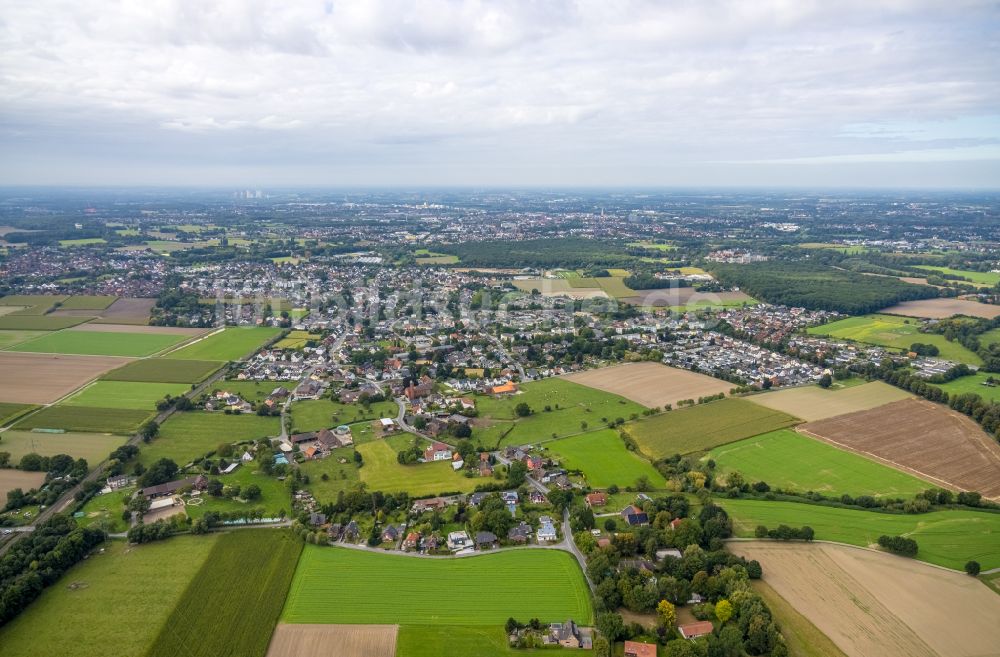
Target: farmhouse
x=568 y=635
x=437 y=452
x=503 y=389
x=637 y=649
x=171 y=487
x=634 y=516
x=695 y=630
x=596 y=499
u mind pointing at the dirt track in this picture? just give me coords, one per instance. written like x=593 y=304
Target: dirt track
x=333 y=641
x=922 y=437
x=651 y=384
x=44 y=378
x=878 y=605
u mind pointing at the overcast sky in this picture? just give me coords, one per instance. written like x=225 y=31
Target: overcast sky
x=385 y=92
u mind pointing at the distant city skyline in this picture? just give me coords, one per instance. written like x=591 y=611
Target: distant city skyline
x=265 y=94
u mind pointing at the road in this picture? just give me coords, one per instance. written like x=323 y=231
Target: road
x=503 y=350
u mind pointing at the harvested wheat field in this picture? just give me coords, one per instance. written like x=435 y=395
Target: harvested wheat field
x=127 y=311
x=651 y=384
x=43 y=378
x=132 y=328
x=921 y=437
x=875 y=604
x=333 y=641
x=941 y=308
x=813 y=403
x=11 y=479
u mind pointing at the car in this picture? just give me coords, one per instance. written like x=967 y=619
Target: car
x=8 y=531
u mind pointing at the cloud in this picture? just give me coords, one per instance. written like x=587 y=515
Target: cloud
x=638 y=87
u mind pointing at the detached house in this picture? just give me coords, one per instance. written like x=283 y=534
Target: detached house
x=634 y=516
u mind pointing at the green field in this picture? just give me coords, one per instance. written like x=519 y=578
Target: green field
x=315 y=414
x=615 y=287
x=11 y=338
x=122 y=599
x=704 y=426
x=381 y=471
x=231 y=344
x=89 y=418
x=603 y=458
x=981 y=278
x=94 y=447
x=35 y=304
x=848 y=250
x=479 y=590
x=340 y=476
x=945 y=538
x=457 y=641
x=787 y=460
x=83 y=241
x=895 y=332
x=653 y=245
x=163 y=370
x=15 y=322
x=87 y=302
x=100 y=343
x=190 y=435
x=571 y=405
x=125 y=394
x=9 y=411
x=296 y=340
x=244 y=581
x=973 y=383
x=105 y=511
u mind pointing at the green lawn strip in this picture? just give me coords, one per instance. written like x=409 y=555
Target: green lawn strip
x=87 y=302
x=315 y=414
x=16 y=322
x=242 y=585
x=125 y=394
x=894 y=332
x=982 y=278
x=704 y=426
x=164 y=370
x=456 y=641
x=190 y=435
x=80 y=418
x=274 y=496
x=604 y=459
x=471 y=591
x=11 y=338
x=10 y=412
x=946 y=538
x=381 y=471
x=99 y=343
x=94 y=447
x=122 y=598
x=974 y=384
x=232 y=343
x=787 y=460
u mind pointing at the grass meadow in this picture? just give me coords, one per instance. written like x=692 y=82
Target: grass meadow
x=233 y=343
x=704 y=426
x=456 y=641
x=125 y=394
x=603 y=458
x=479 y=590
x=87 y=302
x=381 y=471
x=974 y=384
x=981 y=278
x=94 y=447
x=574 y=408
x=895 y=332
x=10 y=412
x=120 y=603
x=315 y=414
x=189 y=435
x=787 y=460
x=11 y=338
x=163 y=370
x=946 y=538
x=242 y=584
x=28 y=322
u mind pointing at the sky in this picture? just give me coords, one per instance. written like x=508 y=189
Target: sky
x=252 y=93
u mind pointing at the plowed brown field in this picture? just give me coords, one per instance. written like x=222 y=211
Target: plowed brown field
x=333 y=640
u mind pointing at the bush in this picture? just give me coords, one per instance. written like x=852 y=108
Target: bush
x=972 y=568
x=900 y=545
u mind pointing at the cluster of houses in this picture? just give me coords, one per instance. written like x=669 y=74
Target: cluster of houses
x=766 y=323
x=319 y=444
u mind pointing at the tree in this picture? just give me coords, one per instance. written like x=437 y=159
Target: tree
x=516 y=474
x=522 y=410
x=972 y=567
x=251 y=492
x=149 y=430
x=723 y=610
x=160 y=472
x=667 y=614
x=601 y=647
x=611 y=626
x=825 y=381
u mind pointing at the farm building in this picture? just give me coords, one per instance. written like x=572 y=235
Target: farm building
x=171 y=487
x=695 y=630
x=637 y=649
